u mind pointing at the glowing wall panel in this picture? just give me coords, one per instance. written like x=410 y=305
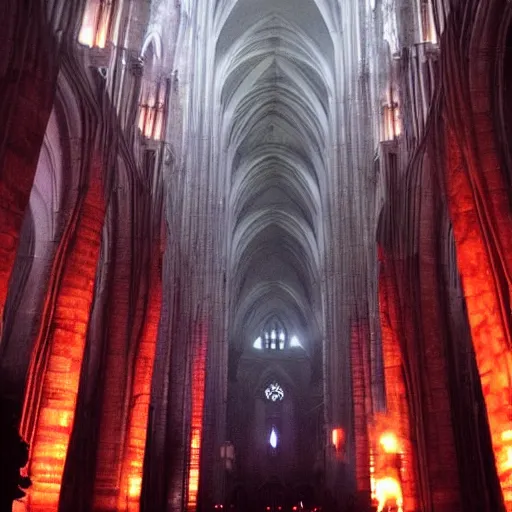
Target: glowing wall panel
x=397 y=407
x=64 y=357
x=387 y=464
x=131 y=479
x=489 y=320
x=196 y=426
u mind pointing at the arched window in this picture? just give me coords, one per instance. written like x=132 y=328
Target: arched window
x=275 y=338
x=153 y=97
x=427 y=25
x=96 y=23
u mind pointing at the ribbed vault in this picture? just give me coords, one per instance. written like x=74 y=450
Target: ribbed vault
x=274 y=91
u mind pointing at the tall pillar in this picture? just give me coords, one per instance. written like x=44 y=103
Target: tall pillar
x=28 y=74
x=396 y=402
x=197 y=383
x=133 y=460
x=480 y=209
x=122 y=319
x=361 y=394
x=485 y=291
x=52 y=384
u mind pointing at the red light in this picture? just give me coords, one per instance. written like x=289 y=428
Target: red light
x=294 y=508
x=268 y=508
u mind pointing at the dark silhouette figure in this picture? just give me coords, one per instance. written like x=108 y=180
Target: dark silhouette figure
x=14 y=456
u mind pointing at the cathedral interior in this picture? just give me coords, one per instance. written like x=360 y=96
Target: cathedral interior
x=256 y=255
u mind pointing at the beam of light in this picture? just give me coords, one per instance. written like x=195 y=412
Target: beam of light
x=273 y=439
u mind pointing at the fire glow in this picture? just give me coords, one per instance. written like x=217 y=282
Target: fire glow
x=488 y=324
x=397 y=419
x=338 y=439
x=386 y=470
x=389 y=442
x=66 y=348
x=198 y=383
x=136 y=438
x=388 y=490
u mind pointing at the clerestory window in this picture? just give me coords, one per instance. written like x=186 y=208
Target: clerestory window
x=275 y=338
x=96 y=23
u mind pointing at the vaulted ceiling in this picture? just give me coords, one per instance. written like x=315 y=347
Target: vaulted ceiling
x=274 y=84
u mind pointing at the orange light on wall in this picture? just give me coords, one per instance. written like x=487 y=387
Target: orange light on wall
x=387 y=471
x=389 y=442
x=196 y=427
x=397 y=420
x=95 y=23
x=132 y=468
x=388 y=491
x=56 y=409
x=338 y=439
x=490 y=325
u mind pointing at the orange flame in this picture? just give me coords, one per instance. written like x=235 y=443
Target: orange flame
x=338 y=438
x=388 y=491
x=389 y=442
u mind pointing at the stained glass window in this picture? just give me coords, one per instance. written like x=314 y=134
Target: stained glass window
x=274 y=392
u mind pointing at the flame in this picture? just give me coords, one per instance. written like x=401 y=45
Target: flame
x=134 y=486
x=338 y=438
x=389 y=442
x=397 y=420
x=388 y=490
